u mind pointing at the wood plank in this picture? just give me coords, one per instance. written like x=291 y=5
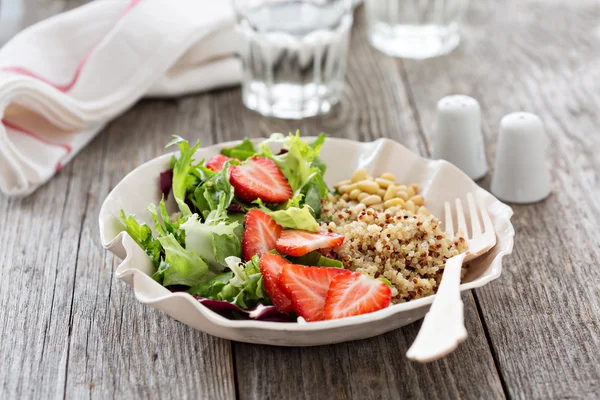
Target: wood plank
x=375 y=105
x=543 y=314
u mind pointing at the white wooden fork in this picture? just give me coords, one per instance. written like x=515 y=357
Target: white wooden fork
x=443 y=328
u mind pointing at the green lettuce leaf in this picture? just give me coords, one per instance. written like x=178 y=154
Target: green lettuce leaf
x=168 y=224
x=214 y=194
x=214 y=240
x=180 y=267
x=211 y=288
x=316 y=259
x=183 y=177
x=302 y=168
x=291 y=217
x=313 y=193
x=242 y=285
x=242 y=151
x=296 y=163
x=246 y=288
x=296 y=218
x=142 y=234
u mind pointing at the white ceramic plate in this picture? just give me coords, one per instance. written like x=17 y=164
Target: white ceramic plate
x=440 y=181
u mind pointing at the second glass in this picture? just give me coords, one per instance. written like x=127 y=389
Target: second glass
x=414 y=28
x=294 y=54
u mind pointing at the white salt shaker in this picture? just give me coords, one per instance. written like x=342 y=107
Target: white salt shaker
x=457 y=135
x=520 y=172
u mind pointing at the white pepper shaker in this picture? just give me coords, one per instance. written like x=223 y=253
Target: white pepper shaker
x=520 y=172
x=457 y=135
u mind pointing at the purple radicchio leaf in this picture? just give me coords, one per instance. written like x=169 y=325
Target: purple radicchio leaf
x=282 y=151
x=229 y=310
x=235 y=207
x=166 y=182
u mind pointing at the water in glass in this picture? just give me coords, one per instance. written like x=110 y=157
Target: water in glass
x=294 y=55
x=414 y=28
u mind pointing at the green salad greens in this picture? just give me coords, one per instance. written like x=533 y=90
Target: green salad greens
x=198 y=246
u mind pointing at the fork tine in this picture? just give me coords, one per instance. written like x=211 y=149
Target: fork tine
x=475 y=225
x=449 y=225
x=460 y=215
x=487 y=222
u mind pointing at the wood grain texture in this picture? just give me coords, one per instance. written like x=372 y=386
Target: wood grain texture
x=69 y=329
x=543 y=315
x=374 y=368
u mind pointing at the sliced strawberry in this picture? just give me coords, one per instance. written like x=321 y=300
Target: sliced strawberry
x=308 y=287
x=216 y=163
x=270 y=268
x=260 y=234
x=355 y=294
x=297 y=243
x=260 y=178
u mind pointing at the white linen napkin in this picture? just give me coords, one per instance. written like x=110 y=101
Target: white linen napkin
x=63 y=79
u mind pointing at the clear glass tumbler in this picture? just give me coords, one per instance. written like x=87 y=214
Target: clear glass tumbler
x=294 y=54
x=414 y=28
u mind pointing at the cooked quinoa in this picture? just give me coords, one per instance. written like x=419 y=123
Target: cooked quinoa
x=409 y=249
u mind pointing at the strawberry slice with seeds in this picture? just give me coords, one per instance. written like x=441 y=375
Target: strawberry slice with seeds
x=355 y=294
x=270 y=268
x=260 y=178
x=260 y=234
x=308 y=287
x=216 y=163
x=296 y=243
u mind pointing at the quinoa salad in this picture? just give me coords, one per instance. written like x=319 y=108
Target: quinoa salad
x=257 y=234
x=396 y=238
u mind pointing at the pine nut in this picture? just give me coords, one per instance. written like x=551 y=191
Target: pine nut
x=343 y=189
x=410 y=206
x=415 y=187
x=378 y=205
x=418 y=200
x=389 y=176
x=354 y=194
x=423 y=211
x=370 y=200
x=394 y=202
x=383 y=183
x=362 y=196
x=410 y=191
x=345 y=197
x=381 y=193
x=402 y=194
x=359 y=175
x=331 y=197
x=390 y=193
x=368 y=186
x=342 y=183
x=402 y=187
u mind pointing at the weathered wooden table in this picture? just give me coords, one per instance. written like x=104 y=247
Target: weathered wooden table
x=68 y=328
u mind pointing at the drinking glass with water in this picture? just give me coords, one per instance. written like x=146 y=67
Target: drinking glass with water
x=414 y=28
x=294 y=54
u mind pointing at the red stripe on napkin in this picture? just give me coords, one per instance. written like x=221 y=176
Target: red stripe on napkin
x=27 y=132
x=65 y=87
